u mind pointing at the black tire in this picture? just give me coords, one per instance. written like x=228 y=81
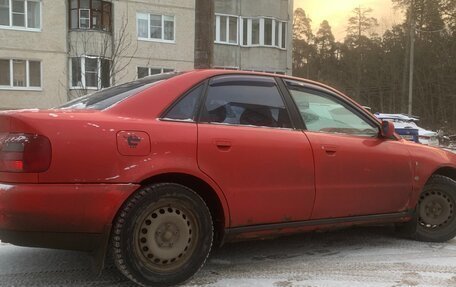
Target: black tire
x=435 y=215
x=162 y=235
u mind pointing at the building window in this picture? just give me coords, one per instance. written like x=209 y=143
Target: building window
x=21 y=14
x=90 y=73
x=155 y=27
x=90 y=14
x=16 y=73
x=226 y=29
x=146 y=71
x=267 y=32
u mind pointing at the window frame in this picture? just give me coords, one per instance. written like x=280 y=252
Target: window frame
x=162 y=39
x=104 y=28
x=83 y=73
x=277 y=85
x=27 y=86
x=162 y=69
x=320 y=91
x=10 y=26
x=218 y=27
x=276 y=24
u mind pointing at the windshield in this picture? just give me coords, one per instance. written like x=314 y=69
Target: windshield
x=108 y=97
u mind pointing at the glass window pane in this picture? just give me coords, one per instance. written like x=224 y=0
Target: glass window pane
x=74 y=19
x=106 y=20
x=155 y=26
x=268 y=32
x=105 y=73
x=91 y=72
x=185 y=108
x=233 y=30
x=33 y=14
x=169 y=28
x=223 y=29
x=5 y=72
x=76 y=78
x=321 y=113
x=284 y=35
x=74 y=4
x=96 y=19
x=19 y=76
x=96 y=4
x=255 y=31
x=251 y=101
x=277 y=29
x=34 y=74
x=155 y=71
x=168 y=70
x=245 y=27
x=142 y=25
x=84 y=20
x=84 y=4
x=18 y=13
x=4 y=12
x=143 y=72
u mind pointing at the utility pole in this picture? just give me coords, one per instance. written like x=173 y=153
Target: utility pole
x=204 y=33
x=412 y=58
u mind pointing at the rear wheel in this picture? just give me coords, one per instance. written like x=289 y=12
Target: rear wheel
x=162 y=235
x=435 y=219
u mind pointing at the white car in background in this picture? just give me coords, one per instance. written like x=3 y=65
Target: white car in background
x=401 y=121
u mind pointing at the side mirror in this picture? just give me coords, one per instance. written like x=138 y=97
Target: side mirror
x=387 y=129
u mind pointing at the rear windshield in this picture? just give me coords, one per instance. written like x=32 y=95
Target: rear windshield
x=108 y=97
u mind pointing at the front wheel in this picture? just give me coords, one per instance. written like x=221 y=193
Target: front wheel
x=162 y=235
x=435 y=219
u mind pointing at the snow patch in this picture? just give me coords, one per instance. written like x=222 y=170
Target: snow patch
x=93 y=125
x=53 y=115
x=111 y=178
x=130 y=167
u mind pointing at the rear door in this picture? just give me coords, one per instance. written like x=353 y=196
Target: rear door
x=246 y=143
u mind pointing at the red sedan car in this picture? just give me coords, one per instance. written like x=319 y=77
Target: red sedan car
x=161 y=169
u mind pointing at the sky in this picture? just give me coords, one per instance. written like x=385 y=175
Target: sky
x=337 y=13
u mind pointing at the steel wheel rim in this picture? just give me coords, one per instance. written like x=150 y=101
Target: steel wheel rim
x=166 y=237
x=436 y=210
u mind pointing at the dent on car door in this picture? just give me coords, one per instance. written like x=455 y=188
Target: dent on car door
x=247 y=145
x=356 y=171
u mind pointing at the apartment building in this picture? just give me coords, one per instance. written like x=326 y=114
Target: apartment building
x=253 y=35
x=53 y=51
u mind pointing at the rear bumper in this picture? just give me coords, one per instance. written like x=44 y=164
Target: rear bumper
x=66 y=216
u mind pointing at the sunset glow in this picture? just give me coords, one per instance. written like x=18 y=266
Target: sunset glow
x=337 y=13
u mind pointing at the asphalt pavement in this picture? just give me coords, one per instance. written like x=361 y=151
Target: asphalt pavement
x=355 y=257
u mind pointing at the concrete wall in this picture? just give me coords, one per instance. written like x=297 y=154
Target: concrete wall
x=256 y=58
x=178 y=55
x=50 y=47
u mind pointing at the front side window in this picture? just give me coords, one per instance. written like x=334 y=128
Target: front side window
x=226 y=29
x=90 y=14
x=249 y=101
x=20 y=14
x=145 y=71
x=155 y=27
x=16 y=73
x=90 y=72
x=323 y=113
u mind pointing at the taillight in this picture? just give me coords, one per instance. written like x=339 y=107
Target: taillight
x=24 y=153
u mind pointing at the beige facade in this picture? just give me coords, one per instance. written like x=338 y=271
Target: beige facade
x=85 y=45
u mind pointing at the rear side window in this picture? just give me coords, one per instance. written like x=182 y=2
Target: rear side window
x=108 y=97
x=245 y=100
x=185 y=108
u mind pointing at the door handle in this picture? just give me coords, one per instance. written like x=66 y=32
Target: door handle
x=223 y=145
x=329 y=149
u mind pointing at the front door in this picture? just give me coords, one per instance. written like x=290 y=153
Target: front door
x=356 y=171
x=247 y=145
